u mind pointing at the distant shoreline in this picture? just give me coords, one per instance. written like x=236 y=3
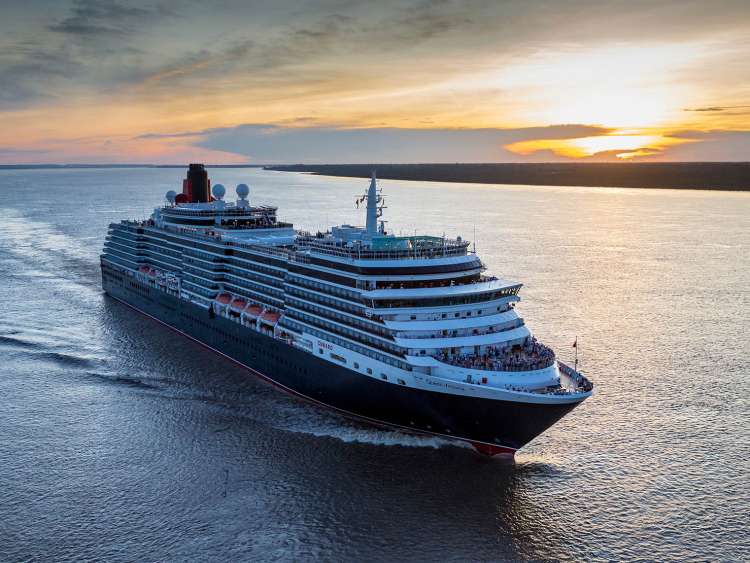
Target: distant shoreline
x=724 y=176
x=719 y=176
x=78 y=166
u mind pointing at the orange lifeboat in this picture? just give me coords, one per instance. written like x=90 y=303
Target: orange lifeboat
x=271 y=317
x=238 y=304
x=253 y=311
x=224 y=298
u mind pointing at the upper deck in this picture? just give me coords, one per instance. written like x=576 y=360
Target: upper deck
x=383 y=247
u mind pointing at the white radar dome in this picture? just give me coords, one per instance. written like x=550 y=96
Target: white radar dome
x=218 y=190
x=243 y=190
x=171 y=195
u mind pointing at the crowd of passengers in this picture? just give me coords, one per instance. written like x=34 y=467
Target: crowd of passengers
x=530 y=355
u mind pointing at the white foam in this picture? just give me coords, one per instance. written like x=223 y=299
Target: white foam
x=306 y=419
x=44 y=252
x=24 y=234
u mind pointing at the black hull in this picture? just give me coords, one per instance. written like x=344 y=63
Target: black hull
x=493 y=426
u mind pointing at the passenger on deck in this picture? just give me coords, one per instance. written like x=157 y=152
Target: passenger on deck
x=531 y=355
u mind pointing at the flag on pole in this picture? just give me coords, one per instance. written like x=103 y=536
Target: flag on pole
x=575 y=343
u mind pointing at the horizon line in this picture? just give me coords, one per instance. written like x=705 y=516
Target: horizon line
x=262 y=165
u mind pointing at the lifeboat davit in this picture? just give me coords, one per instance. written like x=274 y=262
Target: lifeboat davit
x=224 y=298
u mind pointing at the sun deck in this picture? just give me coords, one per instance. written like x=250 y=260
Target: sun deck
x=384 y=247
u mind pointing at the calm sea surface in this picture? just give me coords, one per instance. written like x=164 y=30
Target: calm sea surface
x=121 y=440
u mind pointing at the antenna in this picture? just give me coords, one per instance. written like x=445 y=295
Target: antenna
x=475 y=238
x=373 y=213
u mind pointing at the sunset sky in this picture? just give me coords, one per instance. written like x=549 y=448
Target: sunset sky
x=99 y=81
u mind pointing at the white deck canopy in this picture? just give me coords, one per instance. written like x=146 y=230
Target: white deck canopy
x=449 y=324
x=419 y=292
x=464 y=341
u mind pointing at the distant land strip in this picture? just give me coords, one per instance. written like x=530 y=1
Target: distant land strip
x=77 y=166
x=734 y=176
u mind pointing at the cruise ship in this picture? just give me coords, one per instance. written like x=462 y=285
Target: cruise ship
x=399 y=331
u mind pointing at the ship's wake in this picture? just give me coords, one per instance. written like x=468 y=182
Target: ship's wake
x=271 y=408
x=345 y=431
x=43 y=254
x=312 y=420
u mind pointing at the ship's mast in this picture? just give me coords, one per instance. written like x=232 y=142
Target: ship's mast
x=372 y=207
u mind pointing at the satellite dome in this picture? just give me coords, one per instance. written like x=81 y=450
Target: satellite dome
x=243 y=190
x=171 y=195
x=218 y=190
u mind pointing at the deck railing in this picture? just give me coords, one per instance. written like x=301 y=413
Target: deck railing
x=422 y=249
x=581 y=381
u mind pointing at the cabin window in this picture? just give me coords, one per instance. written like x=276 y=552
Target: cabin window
x=356 y=365
x=401 y=382
x=413 y=317
x=369 y=371
x=444 y=315
x=456 y=315
x=320 y=350
x=384 y=377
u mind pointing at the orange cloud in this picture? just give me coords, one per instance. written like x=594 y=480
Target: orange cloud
x=621 y=146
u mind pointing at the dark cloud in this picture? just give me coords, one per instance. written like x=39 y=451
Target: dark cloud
x=713 y=109
x=349 y=42
x=30 y=74
x=105 y=18
x=272 y=143
x=428 y=19
x=13 y=152
x=88 y=48
x=183 y=135
x=706 y=146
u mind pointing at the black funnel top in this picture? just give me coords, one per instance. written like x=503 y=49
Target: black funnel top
x=198 y=179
